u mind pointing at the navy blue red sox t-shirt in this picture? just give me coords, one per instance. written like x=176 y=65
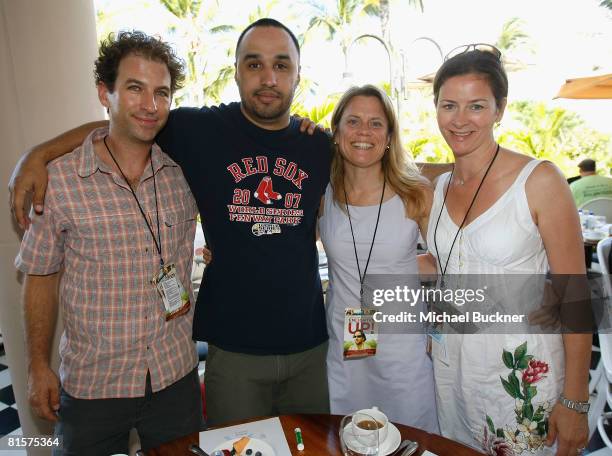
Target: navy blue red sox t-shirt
x=258 y=192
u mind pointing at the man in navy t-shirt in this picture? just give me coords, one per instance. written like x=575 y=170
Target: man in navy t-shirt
x=258 y=183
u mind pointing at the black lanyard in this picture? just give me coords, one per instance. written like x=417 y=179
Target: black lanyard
x=157 y=240
x=362 y=278
x=443 y=271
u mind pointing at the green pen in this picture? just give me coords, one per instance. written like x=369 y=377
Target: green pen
x=298 y=438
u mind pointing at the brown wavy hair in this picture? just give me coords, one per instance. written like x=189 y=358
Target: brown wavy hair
x=400 y=171
x=114 y=48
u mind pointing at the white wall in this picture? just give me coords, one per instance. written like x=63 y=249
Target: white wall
x=47 y=50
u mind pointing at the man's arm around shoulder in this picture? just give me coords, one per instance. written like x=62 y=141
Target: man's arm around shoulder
x=30 y=173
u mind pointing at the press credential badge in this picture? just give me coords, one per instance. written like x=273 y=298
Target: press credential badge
x=172 y=292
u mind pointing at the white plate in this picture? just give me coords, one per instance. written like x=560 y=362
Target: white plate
x=390 y=444
x=590 y=235
x=254 y=444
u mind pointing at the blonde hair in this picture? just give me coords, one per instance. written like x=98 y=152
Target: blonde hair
x=401 y=173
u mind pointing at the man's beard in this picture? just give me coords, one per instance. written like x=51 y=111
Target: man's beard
x=268 y=112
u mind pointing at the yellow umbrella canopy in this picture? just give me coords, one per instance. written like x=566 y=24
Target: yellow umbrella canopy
x=594 y=87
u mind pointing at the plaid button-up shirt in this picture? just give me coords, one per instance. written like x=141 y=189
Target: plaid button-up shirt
x=114 y=321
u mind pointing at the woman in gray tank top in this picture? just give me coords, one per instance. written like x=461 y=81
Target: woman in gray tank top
x=371 y=215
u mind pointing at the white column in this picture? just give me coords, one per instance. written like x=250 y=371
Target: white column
x=47 y=50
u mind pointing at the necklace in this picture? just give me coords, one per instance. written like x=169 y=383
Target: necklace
x=156 y=240
x=443 y=270
x=460 y=181
x=362 y=277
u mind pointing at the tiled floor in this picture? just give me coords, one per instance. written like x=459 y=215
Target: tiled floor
x=9 y=421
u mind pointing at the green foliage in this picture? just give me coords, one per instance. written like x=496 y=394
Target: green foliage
x=530 y=392
x=320 y=114
x=533 y=128
x=213 y=90
x=490 y=425
x=420 y=135
x=513 y=36
x=509 y=388
x=261 y=12
x=194 y=22
x=337 y=21
x=524 y=362
x=554 y=134
x=528 y=410
x=508 y=359
x=520 y=351
x=514 y=381
x=183 y=8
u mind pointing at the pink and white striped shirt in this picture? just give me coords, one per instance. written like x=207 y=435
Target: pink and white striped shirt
x=114 y=321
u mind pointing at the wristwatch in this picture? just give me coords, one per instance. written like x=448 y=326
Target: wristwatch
x=578 y=406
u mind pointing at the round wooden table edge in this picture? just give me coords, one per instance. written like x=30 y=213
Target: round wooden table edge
x=320 y=434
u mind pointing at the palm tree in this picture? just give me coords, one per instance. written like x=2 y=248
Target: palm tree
x=207 y=77
x=513 y=39
x=196 y=24
x=382 y=9
x=606 y=4
x=512 y=35
x=337 y=21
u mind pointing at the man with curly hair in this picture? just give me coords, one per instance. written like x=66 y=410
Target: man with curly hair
x=113 y=250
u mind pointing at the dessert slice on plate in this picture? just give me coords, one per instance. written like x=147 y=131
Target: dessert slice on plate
x=240 y=445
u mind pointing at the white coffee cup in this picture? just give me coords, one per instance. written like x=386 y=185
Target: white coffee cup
x=369 y=415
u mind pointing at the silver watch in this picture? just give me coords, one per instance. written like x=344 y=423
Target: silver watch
x=578 y=406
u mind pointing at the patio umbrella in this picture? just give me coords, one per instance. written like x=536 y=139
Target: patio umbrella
x=594 y=87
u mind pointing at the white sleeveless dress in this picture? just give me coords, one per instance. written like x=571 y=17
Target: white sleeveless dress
x=474 y=406
x=399 y=378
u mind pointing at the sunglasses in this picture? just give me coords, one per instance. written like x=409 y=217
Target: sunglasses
x=482 y=47
x=357 y=335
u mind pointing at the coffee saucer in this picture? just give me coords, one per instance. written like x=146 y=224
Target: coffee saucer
x=392 y=442
x=389 y=445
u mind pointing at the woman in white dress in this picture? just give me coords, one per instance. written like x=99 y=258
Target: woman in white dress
x=370 y=219
x=500 y=212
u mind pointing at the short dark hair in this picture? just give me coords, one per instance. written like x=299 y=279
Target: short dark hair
x=483 y=63
x=268 y=22
x=588 y=165
x=114 y=48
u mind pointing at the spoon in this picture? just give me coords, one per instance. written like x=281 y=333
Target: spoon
x=410 y=448
x=408 y=445
x=197 y=450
